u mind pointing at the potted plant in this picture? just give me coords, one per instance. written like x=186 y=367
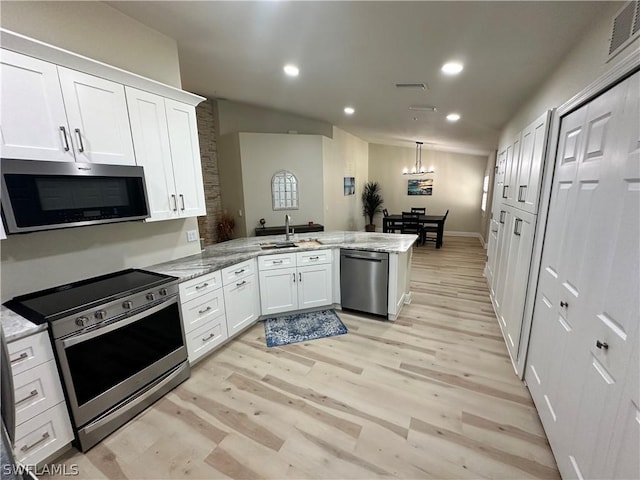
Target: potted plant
x=226 y=224
x=371 y=203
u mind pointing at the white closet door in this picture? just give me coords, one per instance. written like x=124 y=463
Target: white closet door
x=33 y=123
x=98 y=117
x=588 y=289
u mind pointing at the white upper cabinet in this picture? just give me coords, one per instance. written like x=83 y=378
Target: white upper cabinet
x=185 y=156
x=98 y=118
x=527 y=186
x=32 y=115
x=165 y=138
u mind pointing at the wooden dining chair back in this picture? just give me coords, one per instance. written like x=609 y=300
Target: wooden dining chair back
x=420 y=210
x=430 y=232
x=411 y=224
x=385 y=212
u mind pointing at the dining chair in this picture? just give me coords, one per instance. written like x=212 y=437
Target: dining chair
x=385 y=212
x=420 y=210
x=411 y=224
x=430 y=232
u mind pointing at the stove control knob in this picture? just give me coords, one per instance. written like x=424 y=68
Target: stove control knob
x=101 y=314
x=163 y=292
x=151 y=297
x=127 y=305
x=82 y=321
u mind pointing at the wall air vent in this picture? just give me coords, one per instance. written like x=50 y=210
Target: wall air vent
x=625 y=29
x=422 y=86
x=423 y=108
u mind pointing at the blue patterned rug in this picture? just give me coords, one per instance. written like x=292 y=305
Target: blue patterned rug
x=302 y=327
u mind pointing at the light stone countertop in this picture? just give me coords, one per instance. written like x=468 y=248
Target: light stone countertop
x=221 y=255
x=16 y=326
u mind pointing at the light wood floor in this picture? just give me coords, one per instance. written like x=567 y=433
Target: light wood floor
x=432 y=395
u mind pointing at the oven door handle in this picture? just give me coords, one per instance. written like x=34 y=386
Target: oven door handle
x=83 y=337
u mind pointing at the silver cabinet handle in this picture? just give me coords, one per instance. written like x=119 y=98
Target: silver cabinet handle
x=182 y=201
x=241 y=283
x=204 y=285
x=64 y=136
x=502 y=213
x=521 y=191
x=211 y=335
x=238 y=272
x=299 y=277
x=204 y=310
x=504 y=191
x=22 y=356
x=517 y=227
x=314 y=258
x=34 y=393
x=276 y=262
x=81 y=145
x=294 y=277
x=175 y=202
x=26 y=448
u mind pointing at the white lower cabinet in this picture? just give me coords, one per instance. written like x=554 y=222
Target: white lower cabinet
x=43 y=427
x=241 y=295
x=202 y=308
x=295 y=281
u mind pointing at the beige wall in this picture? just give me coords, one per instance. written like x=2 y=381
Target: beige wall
x=97 y=31
x=583 y=65
x=242 y=117
x=262 y=155
x=457 y=184
x=38 y=260
x=344 y=155
x=230 y=170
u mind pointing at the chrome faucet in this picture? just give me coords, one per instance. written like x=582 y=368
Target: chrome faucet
x=287 y=219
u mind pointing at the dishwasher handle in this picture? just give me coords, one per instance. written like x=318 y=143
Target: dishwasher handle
x=379 y=260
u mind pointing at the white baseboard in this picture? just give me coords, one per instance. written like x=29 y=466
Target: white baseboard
x=466 y=234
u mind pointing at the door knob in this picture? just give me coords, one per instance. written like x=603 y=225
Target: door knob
x=602 y=345
x=564 y=304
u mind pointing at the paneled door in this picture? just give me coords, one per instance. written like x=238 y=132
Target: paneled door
x=587 y=312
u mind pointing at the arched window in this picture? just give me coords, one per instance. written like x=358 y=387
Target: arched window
x=284 y=191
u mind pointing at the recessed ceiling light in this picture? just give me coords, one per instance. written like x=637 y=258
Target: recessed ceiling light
x=349 y=110
x=452 y=68
x=453 y=117
x=291 y=70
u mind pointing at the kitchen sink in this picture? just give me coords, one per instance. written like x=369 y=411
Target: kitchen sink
x=309 y=242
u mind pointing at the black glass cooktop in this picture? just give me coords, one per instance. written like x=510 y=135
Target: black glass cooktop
x=54 y=303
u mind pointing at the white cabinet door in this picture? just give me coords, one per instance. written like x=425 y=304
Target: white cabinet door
x=314 y=286
x=33 y=122
x=3 y=235
x=509 y=189
x=499 y=286
x=242 y=301
x=534 y=142
x=492 y=250
x=185 y=154
x=151 y=143
x=278 y=290
x=98 y=118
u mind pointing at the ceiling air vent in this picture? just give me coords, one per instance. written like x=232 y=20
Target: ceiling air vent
x=625 y=27
x=422 y=86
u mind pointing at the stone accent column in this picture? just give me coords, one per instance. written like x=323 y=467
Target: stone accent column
x=207 y=118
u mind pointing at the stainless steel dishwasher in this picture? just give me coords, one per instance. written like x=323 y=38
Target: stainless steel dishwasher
x=364 y=281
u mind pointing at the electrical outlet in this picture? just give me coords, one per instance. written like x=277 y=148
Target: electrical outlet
x=239 y=213
x=192 y=236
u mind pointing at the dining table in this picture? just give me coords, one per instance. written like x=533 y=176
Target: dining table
x=393 y=222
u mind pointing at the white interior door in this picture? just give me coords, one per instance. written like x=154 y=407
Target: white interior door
x=98 y=117
x=33 y=123
x=588 y=288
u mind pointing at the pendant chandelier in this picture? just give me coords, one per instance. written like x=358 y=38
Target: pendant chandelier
x=417 y=169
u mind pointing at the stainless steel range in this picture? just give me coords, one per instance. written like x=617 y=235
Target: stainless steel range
x=119 y=344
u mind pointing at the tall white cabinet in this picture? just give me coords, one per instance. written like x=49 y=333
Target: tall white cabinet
x=513 y=223
x=582 y=368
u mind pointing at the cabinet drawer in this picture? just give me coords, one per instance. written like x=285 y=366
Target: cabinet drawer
x=205 y=338
x=238 y=271
x=203 y=309
x=43 y=435
x=36 y=390
x=28 y=352
x=280 y=260
x=199 y=286
x=313 y=257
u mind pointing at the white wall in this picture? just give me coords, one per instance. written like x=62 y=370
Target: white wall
x=457 y=184
x=262 y=155
x=344 y=155
x=35 y=261
x=583 y=65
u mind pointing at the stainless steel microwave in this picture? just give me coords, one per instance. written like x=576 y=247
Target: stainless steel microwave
x=39 y=195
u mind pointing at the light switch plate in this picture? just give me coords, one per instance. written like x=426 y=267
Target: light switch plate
x=192 y=235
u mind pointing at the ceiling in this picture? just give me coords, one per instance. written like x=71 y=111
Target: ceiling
x=353 y=53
